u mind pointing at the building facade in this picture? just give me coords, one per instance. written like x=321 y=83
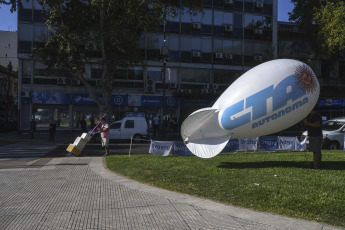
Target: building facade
x=293 y=43
x=206 y=53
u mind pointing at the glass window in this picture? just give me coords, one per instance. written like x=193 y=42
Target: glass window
x=248 y=21
x=173 y=42
x=129 y=124
x=238 y=20
x=27 y=4
x=258 y=22
x=206 y=45
x=25 y=32
x=26 y=68
x=227 y=46
x=218 y=45
x=267 y=22
x=218 y=18
x=196 y=43
x=185 y=16
x=47 y=113
x=186 y=43
x=196 y=18
x=116 y=125
x=24 y=15
x=248 y=48
x=135 y=74
x=195 y=75
x=154 y=41
x=40 y=33
x=228 y=18
x=40 y=69
x=37 y=6
x=207 y=18
x=237 y=47
x=154 y=74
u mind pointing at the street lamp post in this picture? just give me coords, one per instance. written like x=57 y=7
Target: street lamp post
x=9 y=67
x=164 y=53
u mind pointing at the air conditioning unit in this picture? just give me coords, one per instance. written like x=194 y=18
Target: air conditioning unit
x=259 y=4
x=258 y=31
x=258 y=58
x=228 y=56
x=75 y=82
x=228 y=28
x=196 y=54
x=219 y=55
x=181 y=90
x=228 y=1
x=206 y=91
x=25 y=94
x=215 y=86
x=173 y=86
x=196 y=26
x=150 y=86
x=61 y=81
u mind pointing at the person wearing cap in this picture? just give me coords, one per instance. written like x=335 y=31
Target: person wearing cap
x=314 y=127
x=104 y=129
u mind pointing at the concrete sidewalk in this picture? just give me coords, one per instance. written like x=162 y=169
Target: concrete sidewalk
x=79 y=193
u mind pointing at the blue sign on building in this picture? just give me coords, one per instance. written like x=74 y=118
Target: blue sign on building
x=331 y=102
x=170 y=101
x=84 y=99
x=151 y=101
x=118 y=100
x=50 y=98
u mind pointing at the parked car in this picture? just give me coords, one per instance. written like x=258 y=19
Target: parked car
x=333 y=133
x=125 y=129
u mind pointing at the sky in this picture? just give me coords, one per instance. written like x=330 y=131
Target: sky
x=8 y=20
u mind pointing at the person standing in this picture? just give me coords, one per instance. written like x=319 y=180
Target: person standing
x=155 y=125
x=52 y=130
x=83 y=125
x=32 y=128
x=314 y=127
x=104 y=129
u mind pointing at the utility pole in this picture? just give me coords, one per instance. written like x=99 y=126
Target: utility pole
x=9 y=68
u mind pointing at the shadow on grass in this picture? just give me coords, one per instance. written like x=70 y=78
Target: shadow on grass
x=328 y=165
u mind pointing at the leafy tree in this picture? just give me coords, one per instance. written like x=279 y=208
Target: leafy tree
x=13 y=3
x=331 y=18
x=323 y=22
x=112 y=28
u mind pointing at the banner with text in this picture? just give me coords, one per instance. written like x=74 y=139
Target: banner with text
x=161 y=148
x=301 y=145
x=248 y=144
x=286 y=143
x=231 y=146
x=180 y=149
x=268 y=143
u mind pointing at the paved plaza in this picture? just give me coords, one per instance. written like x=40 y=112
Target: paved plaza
x=80 y=193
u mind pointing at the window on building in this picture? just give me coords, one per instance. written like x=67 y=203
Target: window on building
x=186 y=43
x=24 y=15
x=154 y=73
x=135 y=74
x=39 y=16
x=195 y=75
x=207 y=17
x=26 y=68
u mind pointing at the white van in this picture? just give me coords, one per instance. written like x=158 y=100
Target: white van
x=333 y=133
x=125 y=129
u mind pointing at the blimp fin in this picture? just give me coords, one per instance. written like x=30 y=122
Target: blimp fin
x=207 y=148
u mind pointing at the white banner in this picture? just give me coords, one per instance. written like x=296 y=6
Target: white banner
x=250 y=144
x=286 y=143
x=161 y=148
x=301 y=146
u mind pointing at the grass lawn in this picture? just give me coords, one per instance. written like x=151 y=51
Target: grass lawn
x=276 y=182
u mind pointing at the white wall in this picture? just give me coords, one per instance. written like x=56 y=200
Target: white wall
x=8 y=46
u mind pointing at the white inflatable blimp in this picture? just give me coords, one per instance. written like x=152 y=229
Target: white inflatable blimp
x=266 y=99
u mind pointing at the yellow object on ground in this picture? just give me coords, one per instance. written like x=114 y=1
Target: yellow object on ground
x=74 y=150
